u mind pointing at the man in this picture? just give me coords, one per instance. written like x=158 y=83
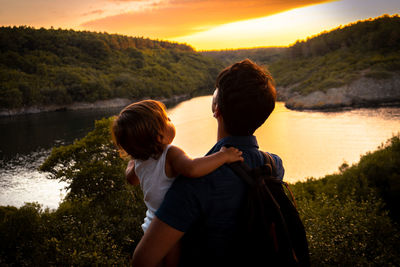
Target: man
x=203 y=214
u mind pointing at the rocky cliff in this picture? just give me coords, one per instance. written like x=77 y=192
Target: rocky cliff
x=110 y=103
x=362 y=92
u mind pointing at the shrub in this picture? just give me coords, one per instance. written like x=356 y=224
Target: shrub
x=349 y=233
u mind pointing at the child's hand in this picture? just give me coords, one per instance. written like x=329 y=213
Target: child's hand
x=232 y=154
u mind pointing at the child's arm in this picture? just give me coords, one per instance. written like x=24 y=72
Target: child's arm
x=130 y=174
x=178 y=162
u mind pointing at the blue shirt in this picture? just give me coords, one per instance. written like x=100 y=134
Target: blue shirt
x=207 y=208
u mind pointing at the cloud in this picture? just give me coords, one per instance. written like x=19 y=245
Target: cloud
x=129 y=0
x=174 y=18
x=94 y=12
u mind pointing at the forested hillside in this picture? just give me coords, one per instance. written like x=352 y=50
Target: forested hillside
x=264 y=55
x=369 y=48
x=366 y=48
x=39 y=67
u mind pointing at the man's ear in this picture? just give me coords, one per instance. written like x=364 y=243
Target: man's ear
x=216 y=112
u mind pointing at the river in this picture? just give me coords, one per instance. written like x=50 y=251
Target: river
x=310 y=143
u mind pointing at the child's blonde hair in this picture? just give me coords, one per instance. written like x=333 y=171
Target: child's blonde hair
x=137 y=130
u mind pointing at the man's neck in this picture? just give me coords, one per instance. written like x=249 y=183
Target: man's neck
x=221 y=132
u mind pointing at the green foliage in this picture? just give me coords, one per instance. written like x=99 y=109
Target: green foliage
x=89 y=233
x=264 y=55
x=10 y=97
x=347 y=232
x=352 y=218
x=366 y=48
x=21 y=231
x=379 y=34
x=91 y=165
x=78 y=233
x=41 y=67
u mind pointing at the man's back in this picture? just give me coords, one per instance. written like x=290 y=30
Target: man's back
x=207 y=209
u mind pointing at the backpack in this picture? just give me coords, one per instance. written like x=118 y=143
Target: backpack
x=272 y=233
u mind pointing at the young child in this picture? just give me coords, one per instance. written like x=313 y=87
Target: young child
x=144 y=131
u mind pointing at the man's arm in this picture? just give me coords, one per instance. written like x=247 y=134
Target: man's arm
x=155 y=244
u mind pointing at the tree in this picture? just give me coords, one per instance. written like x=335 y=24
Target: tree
x=10 y=98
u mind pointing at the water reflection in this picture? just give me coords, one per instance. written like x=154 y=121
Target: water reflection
x=26 y=133
x=25 y=143
x=310 y=143
x=21 y=182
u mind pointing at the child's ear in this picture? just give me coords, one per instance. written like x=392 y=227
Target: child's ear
x=160 y=138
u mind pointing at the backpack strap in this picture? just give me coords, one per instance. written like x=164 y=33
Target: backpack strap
x=269 y=160
x=247 y=174
x=242 y=170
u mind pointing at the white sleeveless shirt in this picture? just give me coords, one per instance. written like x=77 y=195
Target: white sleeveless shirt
x=154 y=183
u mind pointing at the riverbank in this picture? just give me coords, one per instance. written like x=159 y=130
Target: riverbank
x=101 y=104
x=28 y=140
x=364 y=92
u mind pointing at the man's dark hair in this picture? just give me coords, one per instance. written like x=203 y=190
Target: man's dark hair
x=246 y=97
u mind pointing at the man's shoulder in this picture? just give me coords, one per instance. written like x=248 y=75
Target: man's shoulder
x=181 y=180
x=280 y=170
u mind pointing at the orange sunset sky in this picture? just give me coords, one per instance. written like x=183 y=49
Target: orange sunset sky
x=203 y=24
